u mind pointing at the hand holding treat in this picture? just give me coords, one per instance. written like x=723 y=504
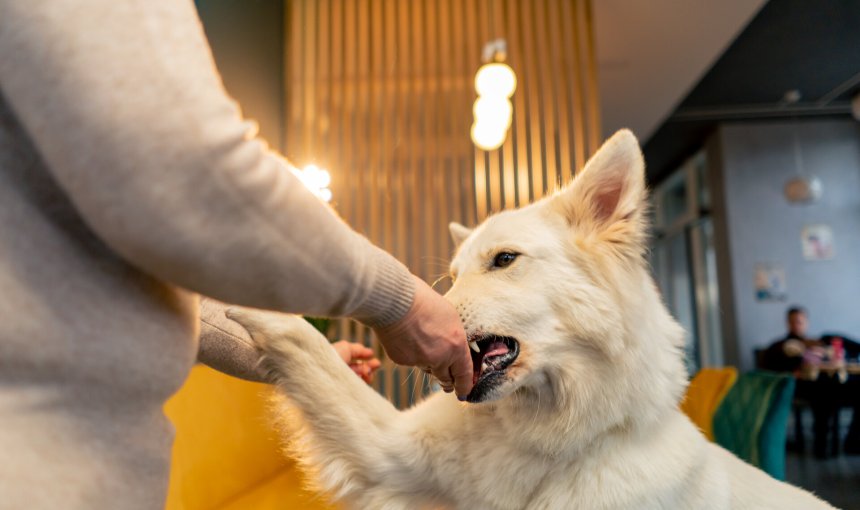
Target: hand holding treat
x=431 y=337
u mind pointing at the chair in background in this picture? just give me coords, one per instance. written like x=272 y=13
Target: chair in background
x=226 y=455
x=798 y=405
x=751 y=420
x=707 y=389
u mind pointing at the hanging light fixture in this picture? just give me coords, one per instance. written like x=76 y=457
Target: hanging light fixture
x=495 y=83
x=803 y=188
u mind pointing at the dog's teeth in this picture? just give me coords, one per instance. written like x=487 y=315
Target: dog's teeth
x=474 y=346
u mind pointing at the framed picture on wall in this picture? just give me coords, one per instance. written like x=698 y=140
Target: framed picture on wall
x=770 y=282
x=817 y=241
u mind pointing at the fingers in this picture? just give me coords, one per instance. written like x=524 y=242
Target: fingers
x=360 y=351
x=363 y=371
x=461 y=373
x=366 y=370
x=352 y=351
x=360 y=359
x=443 y=375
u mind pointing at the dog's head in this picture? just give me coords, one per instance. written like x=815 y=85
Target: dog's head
x=557 y=300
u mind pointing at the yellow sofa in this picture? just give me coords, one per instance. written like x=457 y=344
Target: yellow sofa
x=226 y=455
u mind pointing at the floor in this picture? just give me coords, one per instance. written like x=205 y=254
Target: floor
x=836 y=479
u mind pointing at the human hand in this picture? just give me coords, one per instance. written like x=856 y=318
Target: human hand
x=431 y=336
x=359 y=358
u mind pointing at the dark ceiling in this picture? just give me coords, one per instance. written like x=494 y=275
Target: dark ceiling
x=810 y=46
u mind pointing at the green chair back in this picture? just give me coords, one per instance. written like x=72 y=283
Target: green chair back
x=751 y=420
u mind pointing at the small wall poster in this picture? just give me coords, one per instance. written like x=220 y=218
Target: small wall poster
x=770 y=282
x=817 y=242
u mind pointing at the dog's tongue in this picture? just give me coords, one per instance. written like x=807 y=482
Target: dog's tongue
x=485 y=362
x=496 y=349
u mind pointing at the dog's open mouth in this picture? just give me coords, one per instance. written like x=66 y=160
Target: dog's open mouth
x=491 y=356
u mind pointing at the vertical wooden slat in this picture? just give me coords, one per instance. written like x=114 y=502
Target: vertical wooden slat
x=522 y=112
x=292 y=80
x=537 y=167
x=558 y=76
x=452 y=49
x=308 y=77
x=590 y=72
x=545 y=85
x=322 y=84
x=571 y=40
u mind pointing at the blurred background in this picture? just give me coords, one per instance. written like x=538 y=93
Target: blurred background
x=748 y=112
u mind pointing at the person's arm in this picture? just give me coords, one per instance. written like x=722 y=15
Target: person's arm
x=227 y=347
x=124 y=105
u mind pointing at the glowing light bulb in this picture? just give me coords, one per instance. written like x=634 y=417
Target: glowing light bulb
x=496 y=80
x=325 y=194
x=488 y=136
x=493 y=110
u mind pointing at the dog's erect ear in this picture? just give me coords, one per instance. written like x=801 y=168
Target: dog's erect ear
x=459 y=233
x=607 y=197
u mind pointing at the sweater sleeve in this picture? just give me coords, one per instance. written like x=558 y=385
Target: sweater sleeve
x=226 y=346
x=125 y=106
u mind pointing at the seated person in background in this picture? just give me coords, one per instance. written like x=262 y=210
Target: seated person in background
x=787 y=353
x=800 y=355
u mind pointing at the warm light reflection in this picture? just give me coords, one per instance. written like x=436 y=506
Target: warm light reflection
x=315 y=179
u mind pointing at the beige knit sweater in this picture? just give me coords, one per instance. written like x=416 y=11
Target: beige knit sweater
x=129 y=183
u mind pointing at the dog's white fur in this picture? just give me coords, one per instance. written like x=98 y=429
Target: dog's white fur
x=587 y=416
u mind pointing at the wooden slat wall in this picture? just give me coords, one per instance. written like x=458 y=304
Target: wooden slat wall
x=380 y=93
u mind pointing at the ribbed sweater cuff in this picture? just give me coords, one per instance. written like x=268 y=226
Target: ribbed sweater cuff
x=391 y=294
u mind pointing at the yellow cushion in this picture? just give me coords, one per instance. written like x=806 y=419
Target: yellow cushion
x=704 y=395
x=279 y=493
x=225 y=448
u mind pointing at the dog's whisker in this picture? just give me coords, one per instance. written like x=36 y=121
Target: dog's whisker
x=439 y=279
x=410 y=379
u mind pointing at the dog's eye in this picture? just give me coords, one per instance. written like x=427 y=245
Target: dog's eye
x=504 y=259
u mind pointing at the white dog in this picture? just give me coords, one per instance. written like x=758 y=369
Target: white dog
x=578 y=377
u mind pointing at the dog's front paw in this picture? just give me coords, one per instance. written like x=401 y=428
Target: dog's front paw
x=273 y=331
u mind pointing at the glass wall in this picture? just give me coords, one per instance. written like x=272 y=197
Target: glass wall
x=684 y=260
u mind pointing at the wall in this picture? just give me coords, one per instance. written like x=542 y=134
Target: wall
x=247 y=40
x=761 y=226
